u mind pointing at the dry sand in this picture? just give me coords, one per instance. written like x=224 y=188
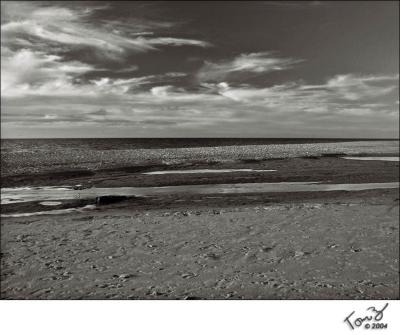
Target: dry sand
x=336 y=245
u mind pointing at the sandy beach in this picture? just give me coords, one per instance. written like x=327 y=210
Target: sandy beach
x=341 y=247
x=245 y=154
x=303 y=245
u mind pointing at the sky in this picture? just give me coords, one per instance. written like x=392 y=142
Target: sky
x=200 y=69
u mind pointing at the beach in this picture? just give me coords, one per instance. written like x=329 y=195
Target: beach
x=333 y=244
x=243 y=154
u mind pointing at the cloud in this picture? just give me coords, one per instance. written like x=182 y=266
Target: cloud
x=33 y=72
x=216 y=104
x=353 y=87
x=46 y=83
x=73 y=27
x=253 y=63
x=39 y=41
x=124 y=86
x=339 y=95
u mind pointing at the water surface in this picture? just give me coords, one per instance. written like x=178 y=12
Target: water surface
x=25 y=194
x=374 y=158
x=204 y=171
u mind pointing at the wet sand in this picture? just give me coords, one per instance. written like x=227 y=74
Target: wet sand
x=41 y=162
x=327 y=169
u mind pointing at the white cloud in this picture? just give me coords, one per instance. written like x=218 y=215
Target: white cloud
x=71 y=27
x=161 y=91
x=169 y=106
x=33 y=36
x=34 y=73
x=123 y=86
x=171 y=41
x=352 y=87
x=337 y=96
x=26 y=71
x=256 y=63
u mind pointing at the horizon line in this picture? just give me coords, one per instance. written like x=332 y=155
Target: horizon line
x=197 y=138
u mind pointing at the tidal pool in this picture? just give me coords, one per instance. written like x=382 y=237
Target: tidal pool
x=372 y=158
x=45 y=194
x=50 y=212
x=204 y=171
x=51 y=203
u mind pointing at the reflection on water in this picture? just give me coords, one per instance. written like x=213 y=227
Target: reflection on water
x=372 y=158
x=51 y=203
x=204 y=171
x=19 y=195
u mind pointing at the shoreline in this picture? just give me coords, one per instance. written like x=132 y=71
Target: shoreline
x=86 y=161
x=305 y=245
x=329 y=169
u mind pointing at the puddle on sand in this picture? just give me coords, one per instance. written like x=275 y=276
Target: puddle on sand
x=51 y=212
x=42 y=194
x=50 y=203
x=388 y=159
x=204 y=171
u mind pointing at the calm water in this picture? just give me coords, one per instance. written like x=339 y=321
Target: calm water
x=47 y=196
x=21 y=145
x=387 y=159
x=205 y=171
x=51 y=193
